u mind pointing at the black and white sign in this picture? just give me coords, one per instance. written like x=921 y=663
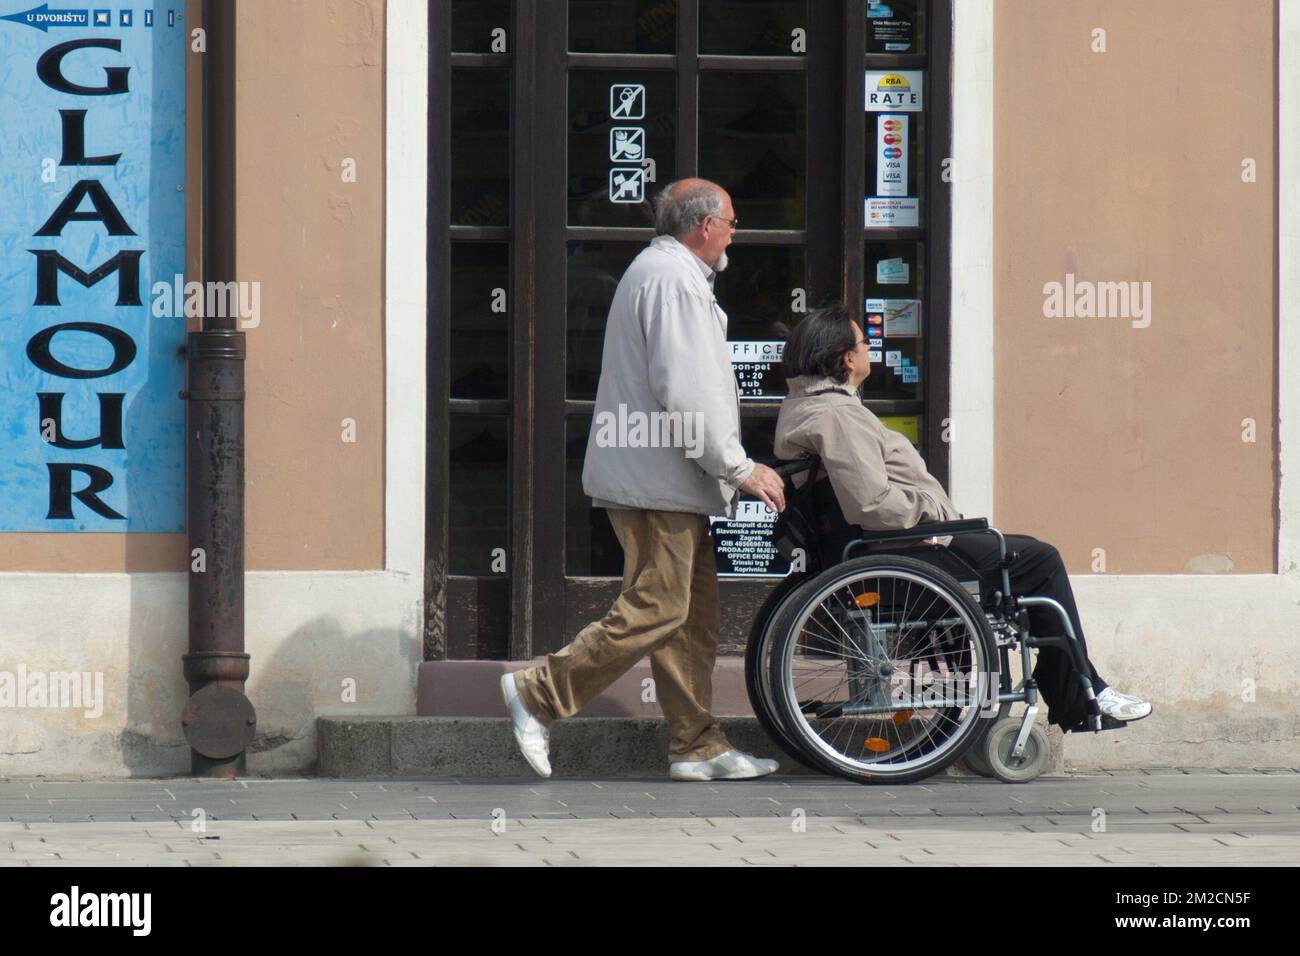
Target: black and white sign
x=743 y=544
x=758 y=369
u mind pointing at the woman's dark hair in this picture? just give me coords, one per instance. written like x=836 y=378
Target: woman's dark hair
x=818 y=343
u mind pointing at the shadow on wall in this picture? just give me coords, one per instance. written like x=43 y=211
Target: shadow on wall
x=302 y=678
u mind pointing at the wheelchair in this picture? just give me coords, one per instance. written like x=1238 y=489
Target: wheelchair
x=878 y=659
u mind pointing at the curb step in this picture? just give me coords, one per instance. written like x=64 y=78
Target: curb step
x=484 y=747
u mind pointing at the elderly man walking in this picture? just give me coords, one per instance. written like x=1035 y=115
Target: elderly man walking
x=663 y=454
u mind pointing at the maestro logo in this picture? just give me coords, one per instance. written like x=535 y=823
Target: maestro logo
x=891 y=152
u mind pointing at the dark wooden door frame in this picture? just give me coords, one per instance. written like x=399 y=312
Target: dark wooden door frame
x=545 y=606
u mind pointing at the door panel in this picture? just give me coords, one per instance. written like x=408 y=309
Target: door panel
x=548 y=145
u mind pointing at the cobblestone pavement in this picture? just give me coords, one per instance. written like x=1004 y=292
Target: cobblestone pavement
x=1138 y=818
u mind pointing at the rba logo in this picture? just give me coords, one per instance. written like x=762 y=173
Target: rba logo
x=75 y=908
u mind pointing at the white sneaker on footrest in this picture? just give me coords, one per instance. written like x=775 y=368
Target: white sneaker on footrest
x=531 y=734
x=1122 y=706
x=729 y=765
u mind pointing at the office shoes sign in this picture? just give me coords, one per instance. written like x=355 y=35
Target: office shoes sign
x=92 y=134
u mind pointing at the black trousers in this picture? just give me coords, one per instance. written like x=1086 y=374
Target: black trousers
x=1039 y=571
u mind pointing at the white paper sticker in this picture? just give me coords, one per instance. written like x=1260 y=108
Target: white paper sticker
x=891 y=154
x=894 y=91
x=888 y=211
x=902 y=316
x=893 y=357
x=876 y=355
x=756 y=351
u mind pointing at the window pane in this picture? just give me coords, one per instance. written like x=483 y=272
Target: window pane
x=618 y=119
x=757 y=435
x=480 y=147
x=750 y=27
x=752 y=141
x=594 y=269
x=480 y=340
x=895 y=163
x=479 y=466
x=472 y=23
x=623 y=26
x=909 y=426
x=757 y=291
x=896 y=26
x=894 y=321
x=590 y=545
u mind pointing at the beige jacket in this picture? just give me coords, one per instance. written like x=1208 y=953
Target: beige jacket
x=878 y=478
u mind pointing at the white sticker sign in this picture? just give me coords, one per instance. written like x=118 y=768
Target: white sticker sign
x=755 y=365
x=743 y=545
x=902 y=316
x=894 y=91
x=885 y=211
x=891 y=155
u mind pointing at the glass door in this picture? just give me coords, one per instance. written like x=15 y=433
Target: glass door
x=558 y=122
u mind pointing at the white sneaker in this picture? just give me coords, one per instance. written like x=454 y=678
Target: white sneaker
x=531 y=734
x=1122 y=706
x=730 y=765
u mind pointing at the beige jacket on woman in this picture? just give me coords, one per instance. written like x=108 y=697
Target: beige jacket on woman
x=878 y=478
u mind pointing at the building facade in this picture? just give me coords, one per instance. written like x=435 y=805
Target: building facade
x=1040 y=206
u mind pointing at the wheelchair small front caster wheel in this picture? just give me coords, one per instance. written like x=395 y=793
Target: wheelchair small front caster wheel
x=998 y=745
x=975 y=757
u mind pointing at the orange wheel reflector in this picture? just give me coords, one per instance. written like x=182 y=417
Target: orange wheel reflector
x=801 y=635
x=867 y=599
x=876 y=744
x=902 y=717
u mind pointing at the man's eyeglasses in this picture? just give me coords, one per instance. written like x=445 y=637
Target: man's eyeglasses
x=733 y=223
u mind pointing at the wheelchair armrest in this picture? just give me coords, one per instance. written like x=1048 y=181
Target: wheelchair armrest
x=928 y=529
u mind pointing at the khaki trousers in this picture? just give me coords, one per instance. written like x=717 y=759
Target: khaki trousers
x=668 y=609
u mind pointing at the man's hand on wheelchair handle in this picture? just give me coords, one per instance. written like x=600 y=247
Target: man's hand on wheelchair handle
x=765 y=484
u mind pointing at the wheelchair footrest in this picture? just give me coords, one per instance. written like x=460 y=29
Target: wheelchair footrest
x=1107 y=723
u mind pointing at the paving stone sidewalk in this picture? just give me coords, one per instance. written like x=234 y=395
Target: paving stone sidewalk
x=1147 y=818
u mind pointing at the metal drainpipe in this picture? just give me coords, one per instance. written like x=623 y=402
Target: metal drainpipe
x=218 y=721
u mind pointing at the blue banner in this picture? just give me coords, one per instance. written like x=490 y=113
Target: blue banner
x=92 y=215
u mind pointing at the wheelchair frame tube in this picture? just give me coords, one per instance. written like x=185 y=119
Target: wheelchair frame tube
x=1041 y=601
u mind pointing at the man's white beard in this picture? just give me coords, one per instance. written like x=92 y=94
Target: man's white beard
x=721 y=264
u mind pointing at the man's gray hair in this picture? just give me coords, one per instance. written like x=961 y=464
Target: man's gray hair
x=679 y=211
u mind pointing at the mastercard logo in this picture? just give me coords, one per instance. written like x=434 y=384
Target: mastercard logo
x=893 y=152
x=890 y=139
x=892 y=126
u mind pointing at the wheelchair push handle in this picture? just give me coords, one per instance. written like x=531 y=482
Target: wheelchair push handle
x=788 y=468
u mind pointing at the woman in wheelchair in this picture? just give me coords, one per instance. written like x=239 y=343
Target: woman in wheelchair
x=881 y=483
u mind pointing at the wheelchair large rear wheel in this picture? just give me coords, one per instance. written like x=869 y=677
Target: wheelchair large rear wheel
x=879 y=668
x=758 y=654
